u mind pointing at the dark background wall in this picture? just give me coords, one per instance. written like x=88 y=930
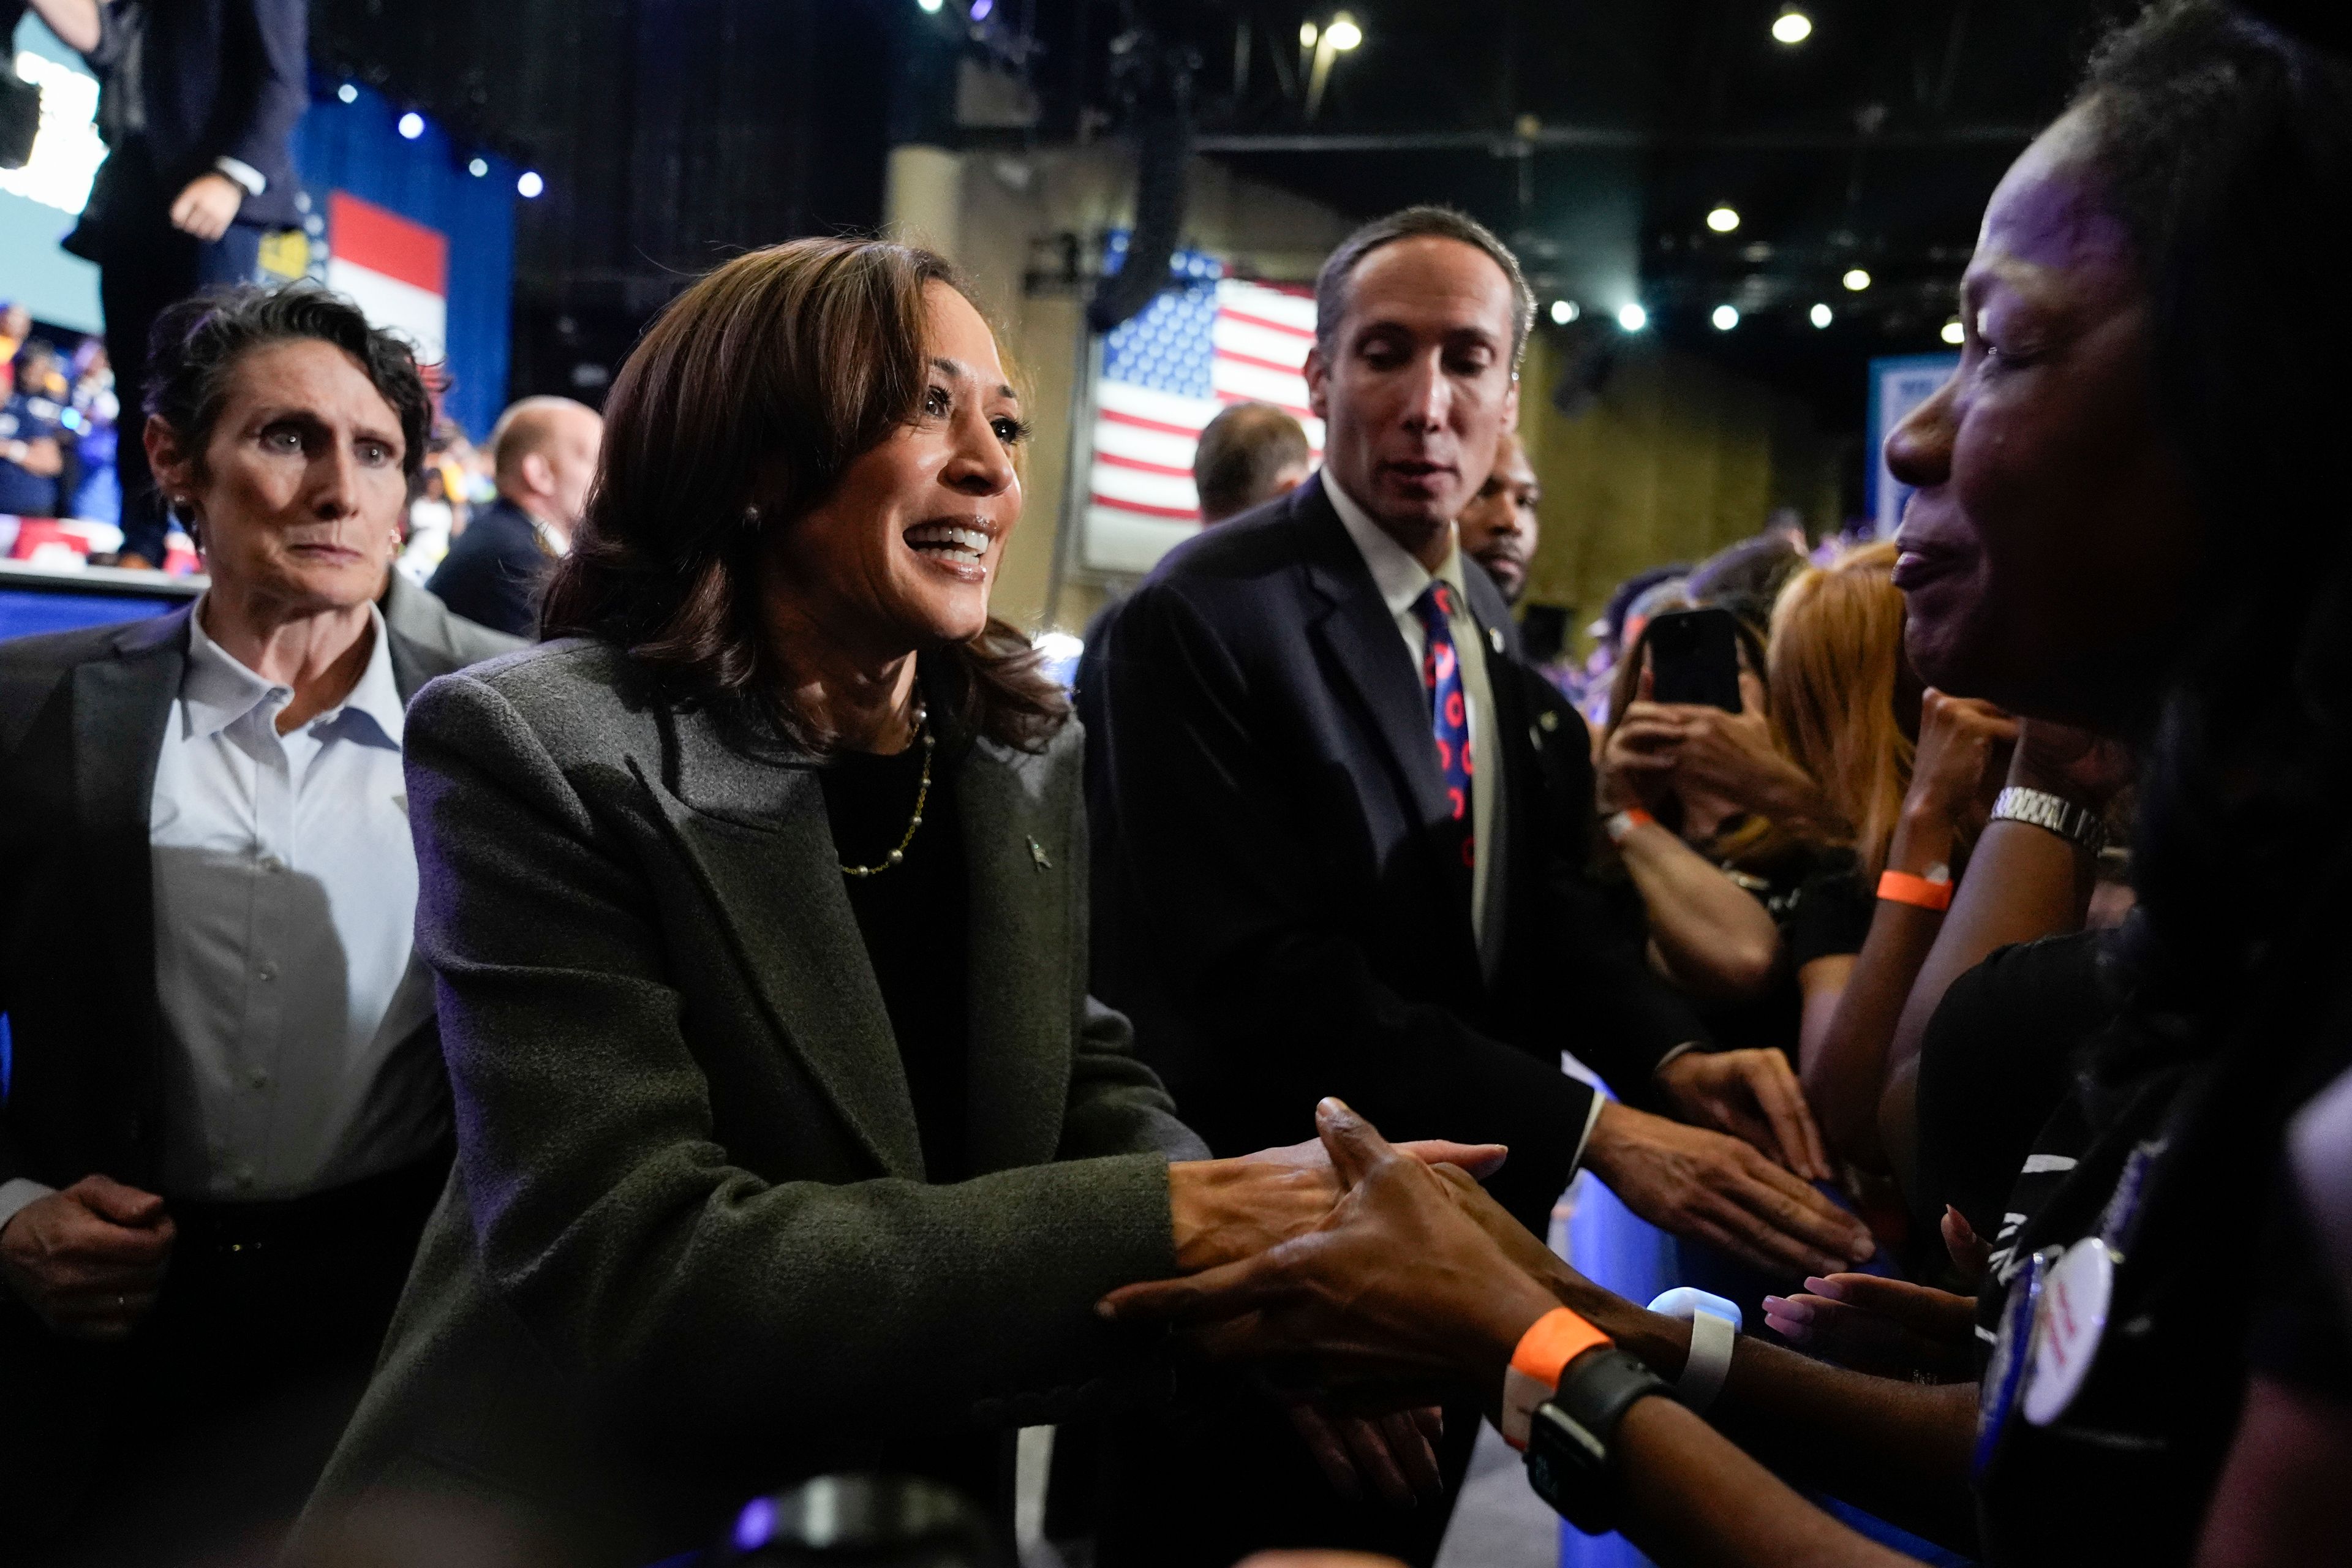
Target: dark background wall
x=671 y=134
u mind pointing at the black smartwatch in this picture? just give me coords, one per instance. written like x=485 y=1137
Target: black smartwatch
x=1573 y=1435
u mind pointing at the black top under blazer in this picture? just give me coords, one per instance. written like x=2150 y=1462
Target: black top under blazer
x=1272 y=904
x=688 y=1251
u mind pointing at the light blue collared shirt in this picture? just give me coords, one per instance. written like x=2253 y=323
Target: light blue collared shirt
x=285 y=899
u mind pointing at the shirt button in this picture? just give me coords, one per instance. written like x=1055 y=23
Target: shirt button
x=267 y=971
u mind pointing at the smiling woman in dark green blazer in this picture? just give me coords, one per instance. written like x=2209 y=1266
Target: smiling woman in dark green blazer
x=789 y=1139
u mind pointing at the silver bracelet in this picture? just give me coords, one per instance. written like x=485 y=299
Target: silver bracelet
x=2053 y=814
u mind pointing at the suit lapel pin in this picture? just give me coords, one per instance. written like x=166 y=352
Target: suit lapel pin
x=1038 y=853
x=1549 y=720
x=1495 y=638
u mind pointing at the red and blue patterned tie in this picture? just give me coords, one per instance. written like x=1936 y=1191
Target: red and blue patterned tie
x=1441 y=676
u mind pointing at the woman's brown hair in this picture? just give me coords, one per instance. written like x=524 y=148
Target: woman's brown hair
x=748 y=398
x=1835 y=669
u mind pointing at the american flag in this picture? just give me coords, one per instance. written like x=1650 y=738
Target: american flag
x=1207 y=342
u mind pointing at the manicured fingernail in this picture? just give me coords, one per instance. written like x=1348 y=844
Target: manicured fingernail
x=1828 y=1288
x=1795 y=1312
x=1787 y=1328
x=1105 y=1311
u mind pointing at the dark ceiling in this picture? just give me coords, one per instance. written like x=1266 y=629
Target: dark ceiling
x=1596 y=134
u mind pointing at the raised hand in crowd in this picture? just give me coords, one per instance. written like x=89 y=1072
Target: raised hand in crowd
x=88 y=1260
x=2022 y=883
x=1963 y=754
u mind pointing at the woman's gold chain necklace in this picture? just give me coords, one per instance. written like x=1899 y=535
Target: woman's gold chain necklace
x=914 y=824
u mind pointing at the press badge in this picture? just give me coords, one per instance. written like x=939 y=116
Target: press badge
x=2011 y=1357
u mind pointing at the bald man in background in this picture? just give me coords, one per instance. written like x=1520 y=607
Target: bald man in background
x=1498 y=526
x=544 y=453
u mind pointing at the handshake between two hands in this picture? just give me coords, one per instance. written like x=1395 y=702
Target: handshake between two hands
x=1385 y=1271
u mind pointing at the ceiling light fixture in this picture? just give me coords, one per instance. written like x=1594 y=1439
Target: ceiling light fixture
x=1563 y=311
x=1723 y=219
x=1632 y=317
x=1343 y=34
x=1955 y=333
x=1856 y=280
x=478 y=167
x=347 y=93
x=1307 y=34
x=929 y=7
x=1821 y=315
x=530 y=186
x=1725 y=317
x=412 y=125
x=1792 y=25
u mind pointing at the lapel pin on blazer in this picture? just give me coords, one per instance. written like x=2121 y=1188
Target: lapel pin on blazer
x=1038 y=853
x=1495 y=638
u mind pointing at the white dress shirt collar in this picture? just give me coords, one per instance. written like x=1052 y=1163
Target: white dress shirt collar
x=219 y=690
x=1401 y=578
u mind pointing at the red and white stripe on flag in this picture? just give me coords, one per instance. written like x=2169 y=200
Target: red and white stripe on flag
x=1140 y=503
x=393 y=267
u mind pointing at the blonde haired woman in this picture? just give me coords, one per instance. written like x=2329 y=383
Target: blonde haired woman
x=1845 y=708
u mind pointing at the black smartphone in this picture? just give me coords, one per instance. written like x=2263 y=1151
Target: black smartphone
x=1694 y=657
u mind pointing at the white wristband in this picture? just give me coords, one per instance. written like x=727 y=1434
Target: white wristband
x=1714 y=1329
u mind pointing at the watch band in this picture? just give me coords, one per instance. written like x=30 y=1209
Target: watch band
x=1714 y=1330
x=1573 y=1437
x=2052 y=813
x=1553 y=1340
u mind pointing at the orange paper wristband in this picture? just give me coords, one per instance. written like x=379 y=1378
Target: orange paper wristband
x=1902 y=888
x=1557 y=1338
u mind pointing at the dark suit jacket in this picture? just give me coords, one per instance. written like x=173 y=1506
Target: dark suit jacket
x=81 y=727
x=217 y=78
x=1271 y=893
x=688 y=1251
x=495 y=572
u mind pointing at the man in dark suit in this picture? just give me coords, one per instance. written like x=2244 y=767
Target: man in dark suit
x=197 y=102
x=543 y=452
x=1340 y=850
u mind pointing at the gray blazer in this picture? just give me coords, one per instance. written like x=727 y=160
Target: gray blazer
x=688 y=1251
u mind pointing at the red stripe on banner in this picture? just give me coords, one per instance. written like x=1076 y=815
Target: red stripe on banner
x=1141 y=508
x=382 y=241
x=1270 y=324
x=1272 y=364
x=1162 y=425
x=1170 y=470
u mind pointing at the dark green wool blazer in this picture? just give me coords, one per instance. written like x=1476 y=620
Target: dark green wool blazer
x=688 y=1251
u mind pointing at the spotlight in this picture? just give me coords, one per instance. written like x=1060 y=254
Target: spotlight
x=1723 y=220
x=1564 y=312
x=929 y=7
x=1792 y=25
x=1632 y=317
x=1821 y=315
x=1856 y=280
x=478 y=167
x=1307 y=35
x=347 y=93
x=530 y=186
x=412 y=125
x=1725 y=317
x=1955 y=333
x=1343 y=34
x=981 y=8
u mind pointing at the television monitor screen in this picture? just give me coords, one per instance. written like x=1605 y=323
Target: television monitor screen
x=23 y=612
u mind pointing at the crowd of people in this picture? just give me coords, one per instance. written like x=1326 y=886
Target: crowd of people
x=542 y=1096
